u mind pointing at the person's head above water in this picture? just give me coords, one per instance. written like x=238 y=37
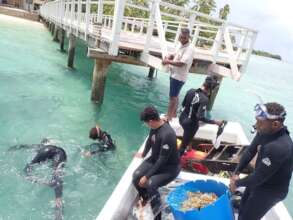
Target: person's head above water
x=45 y=141
x=95 y=133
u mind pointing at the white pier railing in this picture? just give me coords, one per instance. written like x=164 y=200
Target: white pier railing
x=215 y=40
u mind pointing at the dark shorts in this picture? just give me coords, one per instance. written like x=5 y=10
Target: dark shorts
x=175 y=87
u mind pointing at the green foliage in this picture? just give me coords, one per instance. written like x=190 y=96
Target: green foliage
x=205 y=6
x=266 y=54
x=224 y=12
x=107 y=9
x=181 y=3
x=178 y=2
x=138 y=13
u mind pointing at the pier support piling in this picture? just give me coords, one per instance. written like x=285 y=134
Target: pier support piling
x=62 y=39
x=151 y=73
x=52 y=28
x=71 y=50
x=55 y=35
x=99 y=80
x=214 y=95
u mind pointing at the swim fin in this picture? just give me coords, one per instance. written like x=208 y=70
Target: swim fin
x=218 y=139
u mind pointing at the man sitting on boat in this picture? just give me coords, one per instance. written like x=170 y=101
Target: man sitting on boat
x=162 y=166
x=269 y=183
x=194 y=109
x=105 y=142
x=179 y=64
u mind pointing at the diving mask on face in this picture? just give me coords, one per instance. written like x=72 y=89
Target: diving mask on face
x=261 y=113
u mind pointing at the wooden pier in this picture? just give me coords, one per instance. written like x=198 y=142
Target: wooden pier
x=222 y=48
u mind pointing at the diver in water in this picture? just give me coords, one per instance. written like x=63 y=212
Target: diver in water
x=44 y=141
x=58 y=157
x=105 y=142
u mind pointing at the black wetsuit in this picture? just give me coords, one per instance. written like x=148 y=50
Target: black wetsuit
x=58 y=156
x=269 y=182
x=194 y=109
x=161 y=167
x=105 y=143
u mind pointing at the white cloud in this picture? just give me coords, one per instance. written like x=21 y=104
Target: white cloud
x=272 y=18
x=281 y=10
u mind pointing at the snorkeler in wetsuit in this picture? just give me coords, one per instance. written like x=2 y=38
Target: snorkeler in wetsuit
x=58 y=157
x=44 y=141
x=194 y=109
x=105 y=142
x=161 y=166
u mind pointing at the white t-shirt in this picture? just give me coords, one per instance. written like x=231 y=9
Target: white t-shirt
x=184 y=54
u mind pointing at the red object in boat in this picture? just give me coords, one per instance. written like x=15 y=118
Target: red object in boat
x=191 y=160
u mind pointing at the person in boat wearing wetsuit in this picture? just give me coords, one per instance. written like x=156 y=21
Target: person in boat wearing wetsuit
x=163 y=164
x=270 y=180
x=194 y=109
x=58 y=157
x=105 y=142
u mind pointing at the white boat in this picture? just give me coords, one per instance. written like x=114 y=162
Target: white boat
x=121 y=201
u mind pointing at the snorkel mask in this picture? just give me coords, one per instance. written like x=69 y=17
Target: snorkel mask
x=261 y=113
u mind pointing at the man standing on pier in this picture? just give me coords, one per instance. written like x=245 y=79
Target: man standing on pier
x=179 y=65
x=162 y=166
x=269 y=182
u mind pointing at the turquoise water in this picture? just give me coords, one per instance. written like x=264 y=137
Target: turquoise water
x=40 y=97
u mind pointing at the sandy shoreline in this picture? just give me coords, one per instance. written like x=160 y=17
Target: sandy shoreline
x=10 y=18
x=18 y=13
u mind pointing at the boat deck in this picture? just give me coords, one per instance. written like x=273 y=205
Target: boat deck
x=120 y=204
x=166 y=212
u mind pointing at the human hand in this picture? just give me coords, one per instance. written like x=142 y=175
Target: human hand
x=58 y=202
x=138 y=155
x=87 y=154
x=142 y=182
x=170 y=57
x=232 y=184
x=165 y=61
x=234 y=177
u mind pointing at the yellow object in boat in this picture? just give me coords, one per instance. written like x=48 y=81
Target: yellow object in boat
x=179 y=141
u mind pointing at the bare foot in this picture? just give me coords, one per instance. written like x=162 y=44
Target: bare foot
x=138 y=155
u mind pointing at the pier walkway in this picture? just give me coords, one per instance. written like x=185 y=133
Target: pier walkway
x=112 y=35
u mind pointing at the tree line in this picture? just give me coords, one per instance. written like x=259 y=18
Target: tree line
x=207 y=7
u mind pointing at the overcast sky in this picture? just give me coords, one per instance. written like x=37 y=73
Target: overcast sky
x=272 y=18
